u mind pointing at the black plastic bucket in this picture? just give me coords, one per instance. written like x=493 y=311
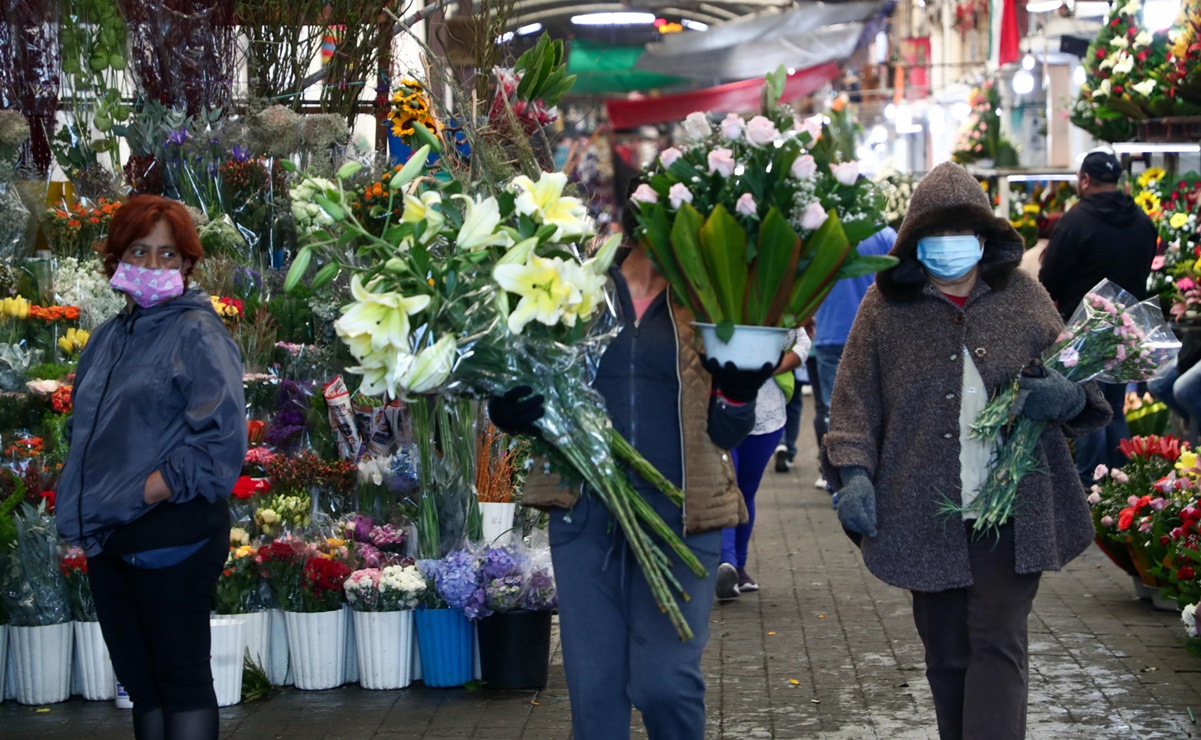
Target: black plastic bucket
x=515 y=650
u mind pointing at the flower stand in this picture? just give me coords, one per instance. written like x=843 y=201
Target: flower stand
x=350 y=669
x=226 y=659
x=92 y=663
x=384 y=640
x=317 y=648
x=279 y=670
x=497 y=520
x=515 y=649
x=256 y=631
x=447 y=647
x=42 y=662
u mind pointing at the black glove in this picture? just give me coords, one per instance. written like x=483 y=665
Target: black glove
x=514 y=415
x=739 y=386
x=857 y=502
x=1045 y=395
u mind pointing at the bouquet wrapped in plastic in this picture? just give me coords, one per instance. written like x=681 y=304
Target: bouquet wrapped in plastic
x=388 y=589
x=74 y=567
x=33 y=587
x=1111 y=337
x=239 y=585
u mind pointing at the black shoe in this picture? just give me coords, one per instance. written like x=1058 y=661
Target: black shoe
x=783 y=463
x=727 y=582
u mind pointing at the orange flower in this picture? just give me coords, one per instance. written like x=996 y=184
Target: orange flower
x=72 y=313
x=74 y=224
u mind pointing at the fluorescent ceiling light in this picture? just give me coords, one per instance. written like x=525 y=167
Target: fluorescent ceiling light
x=505 y=37
x=531 y=28
x=694 y=25
x=1043 y=6
x=613 y=19
x=1063 y=177
x=1136 y=148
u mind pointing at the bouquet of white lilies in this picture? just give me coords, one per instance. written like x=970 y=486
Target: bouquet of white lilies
x=471 y=294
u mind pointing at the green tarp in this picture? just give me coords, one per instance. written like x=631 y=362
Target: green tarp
x=601 y=68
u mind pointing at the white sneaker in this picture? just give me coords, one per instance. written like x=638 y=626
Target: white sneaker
x=820 y=484
x=727 y=582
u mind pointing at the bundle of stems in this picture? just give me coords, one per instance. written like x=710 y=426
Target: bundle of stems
x=494 y=474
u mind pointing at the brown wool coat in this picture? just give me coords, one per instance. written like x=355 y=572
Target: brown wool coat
x=895 y=408
x=711 y=496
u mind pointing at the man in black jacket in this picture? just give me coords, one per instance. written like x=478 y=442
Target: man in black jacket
x=1106 y=235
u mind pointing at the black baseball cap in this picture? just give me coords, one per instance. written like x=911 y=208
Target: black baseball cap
x=1102 y=167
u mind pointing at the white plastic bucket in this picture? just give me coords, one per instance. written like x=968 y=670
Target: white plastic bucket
x=92 y=663
x=384 y=641
x=750 y=348
x=278 y=665
x=497 y=521
x=226 y=659
x=42 y=662
x=256 y=632
x=317 y=648
x=350 y=669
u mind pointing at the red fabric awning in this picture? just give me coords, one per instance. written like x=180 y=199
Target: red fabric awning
x=734 y=96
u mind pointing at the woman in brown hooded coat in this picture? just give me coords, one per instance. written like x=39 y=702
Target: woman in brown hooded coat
x=934 y=339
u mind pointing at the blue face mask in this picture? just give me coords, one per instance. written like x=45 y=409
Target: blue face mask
x=949 y=257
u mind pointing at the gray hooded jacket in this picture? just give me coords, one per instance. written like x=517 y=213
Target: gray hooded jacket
x=156 y=389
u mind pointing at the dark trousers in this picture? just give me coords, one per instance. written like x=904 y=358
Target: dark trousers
x=156 y=626
x=618 y=648
x=1101 y=447
x=975 y=641
x=821 y=411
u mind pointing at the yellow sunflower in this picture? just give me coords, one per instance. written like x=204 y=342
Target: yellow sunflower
x=1151 y=176
x=411 y=103
x=1148 y=201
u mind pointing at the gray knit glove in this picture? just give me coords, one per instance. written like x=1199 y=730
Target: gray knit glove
x=1049 y=398
x=857 y=501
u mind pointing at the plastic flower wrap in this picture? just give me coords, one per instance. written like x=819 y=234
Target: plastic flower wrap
x=284 y=513
x=281 y=564
x=1111 y=337
x=74 y=567
x=459 y=582
x=321 y=584
x=504 y=571
x=238 y=586
x=475 y=292
x=391 y=588
x=540 y=593
x=33 y=587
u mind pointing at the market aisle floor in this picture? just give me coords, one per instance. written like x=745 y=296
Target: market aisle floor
x=822 y=651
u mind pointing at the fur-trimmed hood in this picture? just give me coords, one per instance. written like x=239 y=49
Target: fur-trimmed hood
x=950 y=198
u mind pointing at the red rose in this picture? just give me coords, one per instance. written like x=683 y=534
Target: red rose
x=1100 y=53
x=1125 y=519
x=49 y=496
x=1117 y=89
x=1186 y=573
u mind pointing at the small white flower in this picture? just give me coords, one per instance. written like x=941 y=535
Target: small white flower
x=1119 y=42
x=1124 y=65
x=1144 y=88
x=761 y=131
x=746 y=205
x=1189 y=617
x=696 y=126
x=669 y=156
x=732 y=127
x=1143 y=39
x=678 y=195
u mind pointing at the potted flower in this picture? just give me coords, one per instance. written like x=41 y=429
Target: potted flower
x=519 y=590
x=240 y=593
x=93 y=667
x=280 y=563
x=1150 y=460
x=445 y=634
x=35 y=594
x=309 y=588
x=752 y=224
x=383 y=600
x=498 y=458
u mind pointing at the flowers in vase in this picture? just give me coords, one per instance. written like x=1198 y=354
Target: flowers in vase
x=321 y=584
x=74 y=567
x=391 y=588
x=281 y=564
x=238 y=586
x=284 y=513
x=72 y=230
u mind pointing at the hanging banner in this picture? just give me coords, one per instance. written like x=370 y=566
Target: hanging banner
x=735 y=96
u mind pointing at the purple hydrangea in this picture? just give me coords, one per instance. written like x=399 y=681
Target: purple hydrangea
x=504 y=593
x=460 y=584
x=502 y=562
x=540 y=594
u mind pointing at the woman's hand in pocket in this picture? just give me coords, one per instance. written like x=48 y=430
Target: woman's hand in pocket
x=156 y=489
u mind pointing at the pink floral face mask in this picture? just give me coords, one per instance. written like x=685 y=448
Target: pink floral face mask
x=147 y=287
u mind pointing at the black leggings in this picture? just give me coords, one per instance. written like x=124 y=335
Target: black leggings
x=156 y=626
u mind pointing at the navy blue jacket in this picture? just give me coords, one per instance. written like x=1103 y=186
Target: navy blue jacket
x=156 y=389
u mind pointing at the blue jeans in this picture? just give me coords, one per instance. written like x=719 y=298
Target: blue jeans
x=828 y=357
x=1101 y=447
x=1182 y=394
x=750 y=459
x=792 y=421
x=618 y=648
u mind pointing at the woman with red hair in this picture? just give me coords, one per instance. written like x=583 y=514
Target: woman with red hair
x=157 y=436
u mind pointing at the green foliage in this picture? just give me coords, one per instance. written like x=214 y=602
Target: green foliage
x=544 y=73
x=51 y=371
